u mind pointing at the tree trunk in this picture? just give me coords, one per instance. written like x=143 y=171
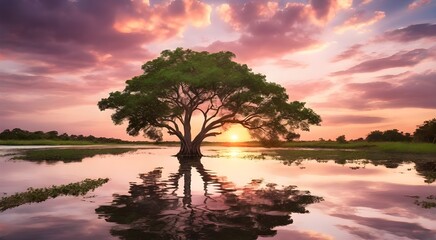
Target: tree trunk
x=189 y=149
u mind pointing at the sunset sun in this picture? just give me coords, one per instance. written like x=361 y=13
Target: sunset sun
x=234 y=137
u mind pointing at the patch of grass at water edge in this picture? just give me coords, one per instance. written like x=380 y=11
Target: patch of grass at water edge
x=34 y=195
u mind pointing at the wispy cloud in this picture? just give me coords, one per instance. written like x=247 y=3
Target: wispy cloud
x=410 y=33
x=351 y=52
x=351 y=119
x=399 y=91
x=400 y=59
x=360 y=20
x=418 y=3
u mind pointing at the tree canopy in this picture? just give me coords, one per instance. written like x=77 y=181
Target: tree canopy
x=426 y=132
x=182 y=83
x=393 y=135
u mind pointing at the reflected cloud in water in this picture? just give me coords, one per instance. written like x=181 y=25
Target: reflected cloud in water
x=153 y=210
x=49 y=227
x=397 y=228
x=363 y=199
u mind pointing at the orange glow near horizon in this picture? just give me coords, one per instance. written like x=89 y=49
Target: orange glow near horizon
x=234 y=133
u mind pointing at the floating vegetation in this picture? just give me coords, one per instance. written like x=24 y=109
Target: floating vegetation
x=35 y=195
x=67 y=154
x=430 y=202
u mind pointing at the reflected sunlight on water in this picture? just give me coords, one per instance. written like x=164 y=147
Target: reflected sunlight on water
x=233 y=193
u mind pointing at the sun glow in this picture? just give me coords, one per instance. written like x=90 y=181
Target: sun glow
x=234 y=137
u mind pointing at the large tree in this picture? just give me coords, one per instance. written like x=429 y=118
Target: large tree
x=182 y=83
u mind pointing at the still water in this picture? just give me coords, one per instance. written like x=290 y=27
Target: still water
x=232 y=193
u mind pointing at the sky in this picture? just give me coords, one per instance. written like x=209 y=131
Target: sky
x=362 y=65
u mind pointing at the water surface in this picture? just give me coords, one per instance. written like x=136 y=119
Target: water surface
x=232 y=193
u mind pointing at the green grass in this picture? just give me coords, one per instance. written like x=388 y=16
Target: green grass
x=66 y=155
x=389 y=147
x=330 y=145
x=33 y=195
x=401 y=147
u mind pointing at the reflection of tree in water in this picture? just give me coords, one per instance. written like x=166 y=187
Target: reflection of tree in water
x=153 y=210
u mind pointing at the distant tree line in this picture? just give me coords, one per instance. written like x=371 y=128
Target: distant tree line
x=425 y=132
x=393 y=135
x=19 y=134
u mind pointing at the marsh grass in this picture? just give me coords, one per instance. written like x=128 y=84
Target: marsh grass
x=330 y=145
x=66 y=155
x=404 y=147
x=35 y=195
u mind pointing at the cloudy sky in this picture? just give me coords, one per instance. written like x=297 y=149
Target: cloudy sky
x=362 y=65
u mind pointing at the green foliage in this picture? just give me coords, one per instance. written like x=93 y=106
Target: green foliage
x=35 y=195
x=341 y=139
x=292 y=136
x=429 y=202
x=393 y=135
x=66 y=155
x=181 y=83
x=426 y=132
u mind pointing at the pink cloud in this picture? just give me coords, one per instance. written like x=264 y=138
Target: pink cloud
x=360 y=20
x=351 y=52
x=300 y=91
x=331 y=120
x=278 y=29
x=363 y=2
x=357 y=231
x=400 y=59
x=40 y=104
x=286 y=63
x=418 y=3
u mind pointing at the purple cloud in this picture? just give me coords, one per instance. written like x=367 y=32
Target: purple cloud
x=400 y=59
x=397 y=228
x=69 y=35
x=351 y=52
x=400 y=91
x=410 y=33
